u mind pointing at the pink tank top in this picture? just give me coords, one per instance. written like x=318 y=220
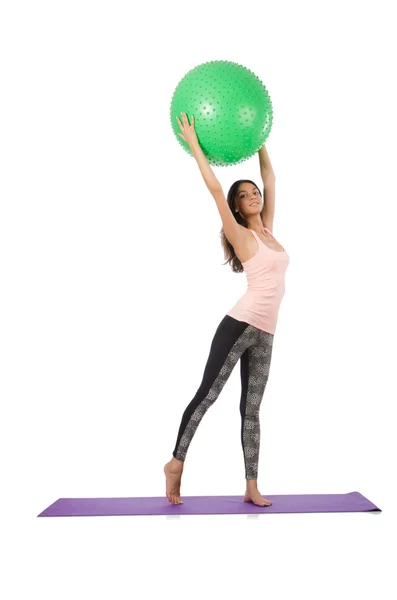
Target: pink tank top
x=265 y=272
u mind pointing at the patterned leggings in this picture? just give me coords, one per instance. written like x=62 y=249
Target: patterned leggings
x=232 y=340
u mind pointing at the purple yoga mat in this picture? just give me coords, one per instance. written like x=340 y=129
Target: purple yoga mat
x=208 y=505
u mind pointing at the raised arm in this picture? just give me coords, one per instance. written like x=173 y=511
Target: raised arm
x=269 y=188
x=232 y=229
x=190 y=137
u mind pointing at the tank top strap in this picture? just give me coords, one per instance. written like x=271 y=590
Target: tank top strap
x=270 y=233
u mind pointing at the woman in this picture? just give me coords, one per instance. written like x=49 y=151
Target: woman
x=247 y=330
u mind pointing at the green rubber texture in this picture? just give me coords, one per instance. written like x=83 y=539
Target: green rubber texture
x=232 y=110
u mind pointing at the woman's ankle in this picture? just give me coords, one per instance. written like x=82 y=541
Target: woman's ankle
x=251 y=483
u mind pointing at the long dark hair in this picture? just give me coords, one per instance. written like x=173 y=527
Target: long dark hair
x=228 y=249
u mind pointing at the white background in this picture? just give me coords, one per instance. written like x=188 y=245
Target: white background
x=112 y=287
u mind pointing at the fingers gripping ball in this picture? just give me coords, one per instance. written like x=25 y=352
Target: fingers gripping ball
x=232 y=111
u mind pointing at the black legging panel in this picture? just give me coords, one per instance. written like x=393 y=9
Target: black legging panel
x=233 y=340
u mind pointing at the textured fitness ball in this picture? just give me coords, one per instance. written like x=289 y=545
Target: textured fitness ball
x=232 y=111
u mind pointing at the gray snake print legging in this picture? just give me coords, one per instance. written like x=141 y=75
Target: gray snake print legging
x=232 y=340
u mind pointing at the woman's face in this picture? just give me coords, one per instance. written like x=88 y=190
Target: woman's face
x=248 y=199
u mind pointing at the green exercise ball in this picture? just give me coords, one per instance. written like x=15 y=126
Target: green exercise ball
x=232 y=111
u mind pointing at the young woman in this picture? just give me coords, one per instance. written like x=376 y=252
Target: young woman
x=247 y=330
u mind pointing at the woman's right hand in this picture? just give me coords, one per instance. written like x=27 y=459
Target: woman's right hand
x=188 y=132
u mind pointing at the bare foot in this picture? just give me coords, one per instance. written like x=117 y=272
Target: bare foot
x=173 y=474
x=253 y=495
